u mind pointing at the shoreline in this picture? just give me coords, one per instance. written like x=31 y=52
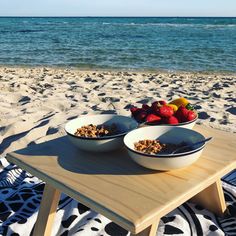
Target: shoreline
x=101 y=70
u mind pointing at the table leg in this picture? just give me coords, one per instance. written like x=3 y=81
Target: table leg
x=150 y=231
x=212 y=198
x=47 y=210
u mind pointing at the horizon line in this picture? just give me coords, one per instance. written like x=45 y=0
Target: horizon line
x=120 y=16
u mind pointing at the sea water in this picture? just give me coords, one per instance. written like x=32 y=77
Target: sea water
x=146 y=43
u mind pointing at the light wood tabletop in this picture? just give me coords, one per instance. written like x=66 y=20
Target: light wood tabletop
x=130 y=195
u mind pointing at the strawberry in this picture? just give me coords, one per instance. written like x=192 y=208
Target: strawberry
x=163 y=102
x=172 y=120
x=156 y=105
x=146 y=108
x=151 y=118
x=140 y=116
x=182 y=114
x=135 y=110
x=165 y=111
x=191 y=115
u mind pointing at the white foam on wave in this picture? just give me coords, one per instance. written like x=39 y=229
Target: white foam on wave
x=172 y=24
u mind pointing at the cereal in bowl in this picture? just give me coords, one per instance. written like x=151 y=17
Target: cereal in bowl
x=96 y=131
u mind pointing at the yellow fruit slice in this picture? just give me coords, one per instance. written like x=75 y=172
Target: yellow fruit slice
x=180 y=102
x=173 y=106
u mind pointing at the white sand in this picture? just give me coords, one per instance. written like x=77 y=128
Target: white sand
x=37 y=102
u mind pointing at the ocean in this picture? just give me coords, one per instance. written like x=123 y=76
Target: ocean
x=129 y=43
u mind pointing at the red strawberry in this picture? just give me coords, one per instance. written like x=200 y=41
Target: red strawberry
x=151 y=118
x=156 y=105
x=140 y=116
x=162 y=102
x=172 y=120
x=134 y=109
x=182 y=114
x=191 y=115
x=146 y=108
x=165 y=111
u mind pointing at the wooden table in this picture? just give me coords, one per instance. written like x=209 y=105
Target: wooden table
x=128 y=194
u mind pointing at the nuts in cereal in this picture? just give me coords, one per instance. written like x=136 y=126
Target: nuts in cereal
x=95 y=131
x=149 y=146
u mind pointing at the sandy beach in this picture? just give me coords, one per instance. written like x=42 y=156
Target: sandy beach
x=35 y=103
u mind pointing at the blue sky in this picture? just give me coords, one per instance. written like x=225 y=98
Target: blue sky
x=117 y=7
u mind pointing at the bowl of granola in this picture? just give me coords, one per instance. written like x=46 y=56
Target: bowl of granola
x=154 y=147
x=99 y=133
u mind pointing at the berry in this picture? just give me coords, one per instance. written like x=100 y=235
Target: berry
x=151 y=118
x=191 y=115
x=156 y=105
x=134 y=109
x=145 y=107
x=162 y=102
x=172 y=120
x=182 y=114
x=165 y=111
x=140 y=116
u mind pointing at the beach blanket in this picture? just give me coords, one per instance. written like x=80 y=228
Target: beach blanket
x=20 y=196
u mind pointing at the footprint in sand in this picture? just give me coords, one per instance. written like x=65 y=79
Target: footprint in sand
x=203 y=115
x=232 y=110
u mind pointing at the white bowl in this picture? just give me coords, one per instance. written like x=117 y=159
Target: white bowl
x=166 y=134
x=101 y=144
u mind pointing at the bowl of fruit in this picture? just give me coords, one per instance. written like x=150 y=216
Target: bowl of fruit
x=178 y=112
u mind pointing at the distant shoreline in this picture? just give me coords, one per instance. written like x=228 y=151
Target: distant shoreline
x=118 y=17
